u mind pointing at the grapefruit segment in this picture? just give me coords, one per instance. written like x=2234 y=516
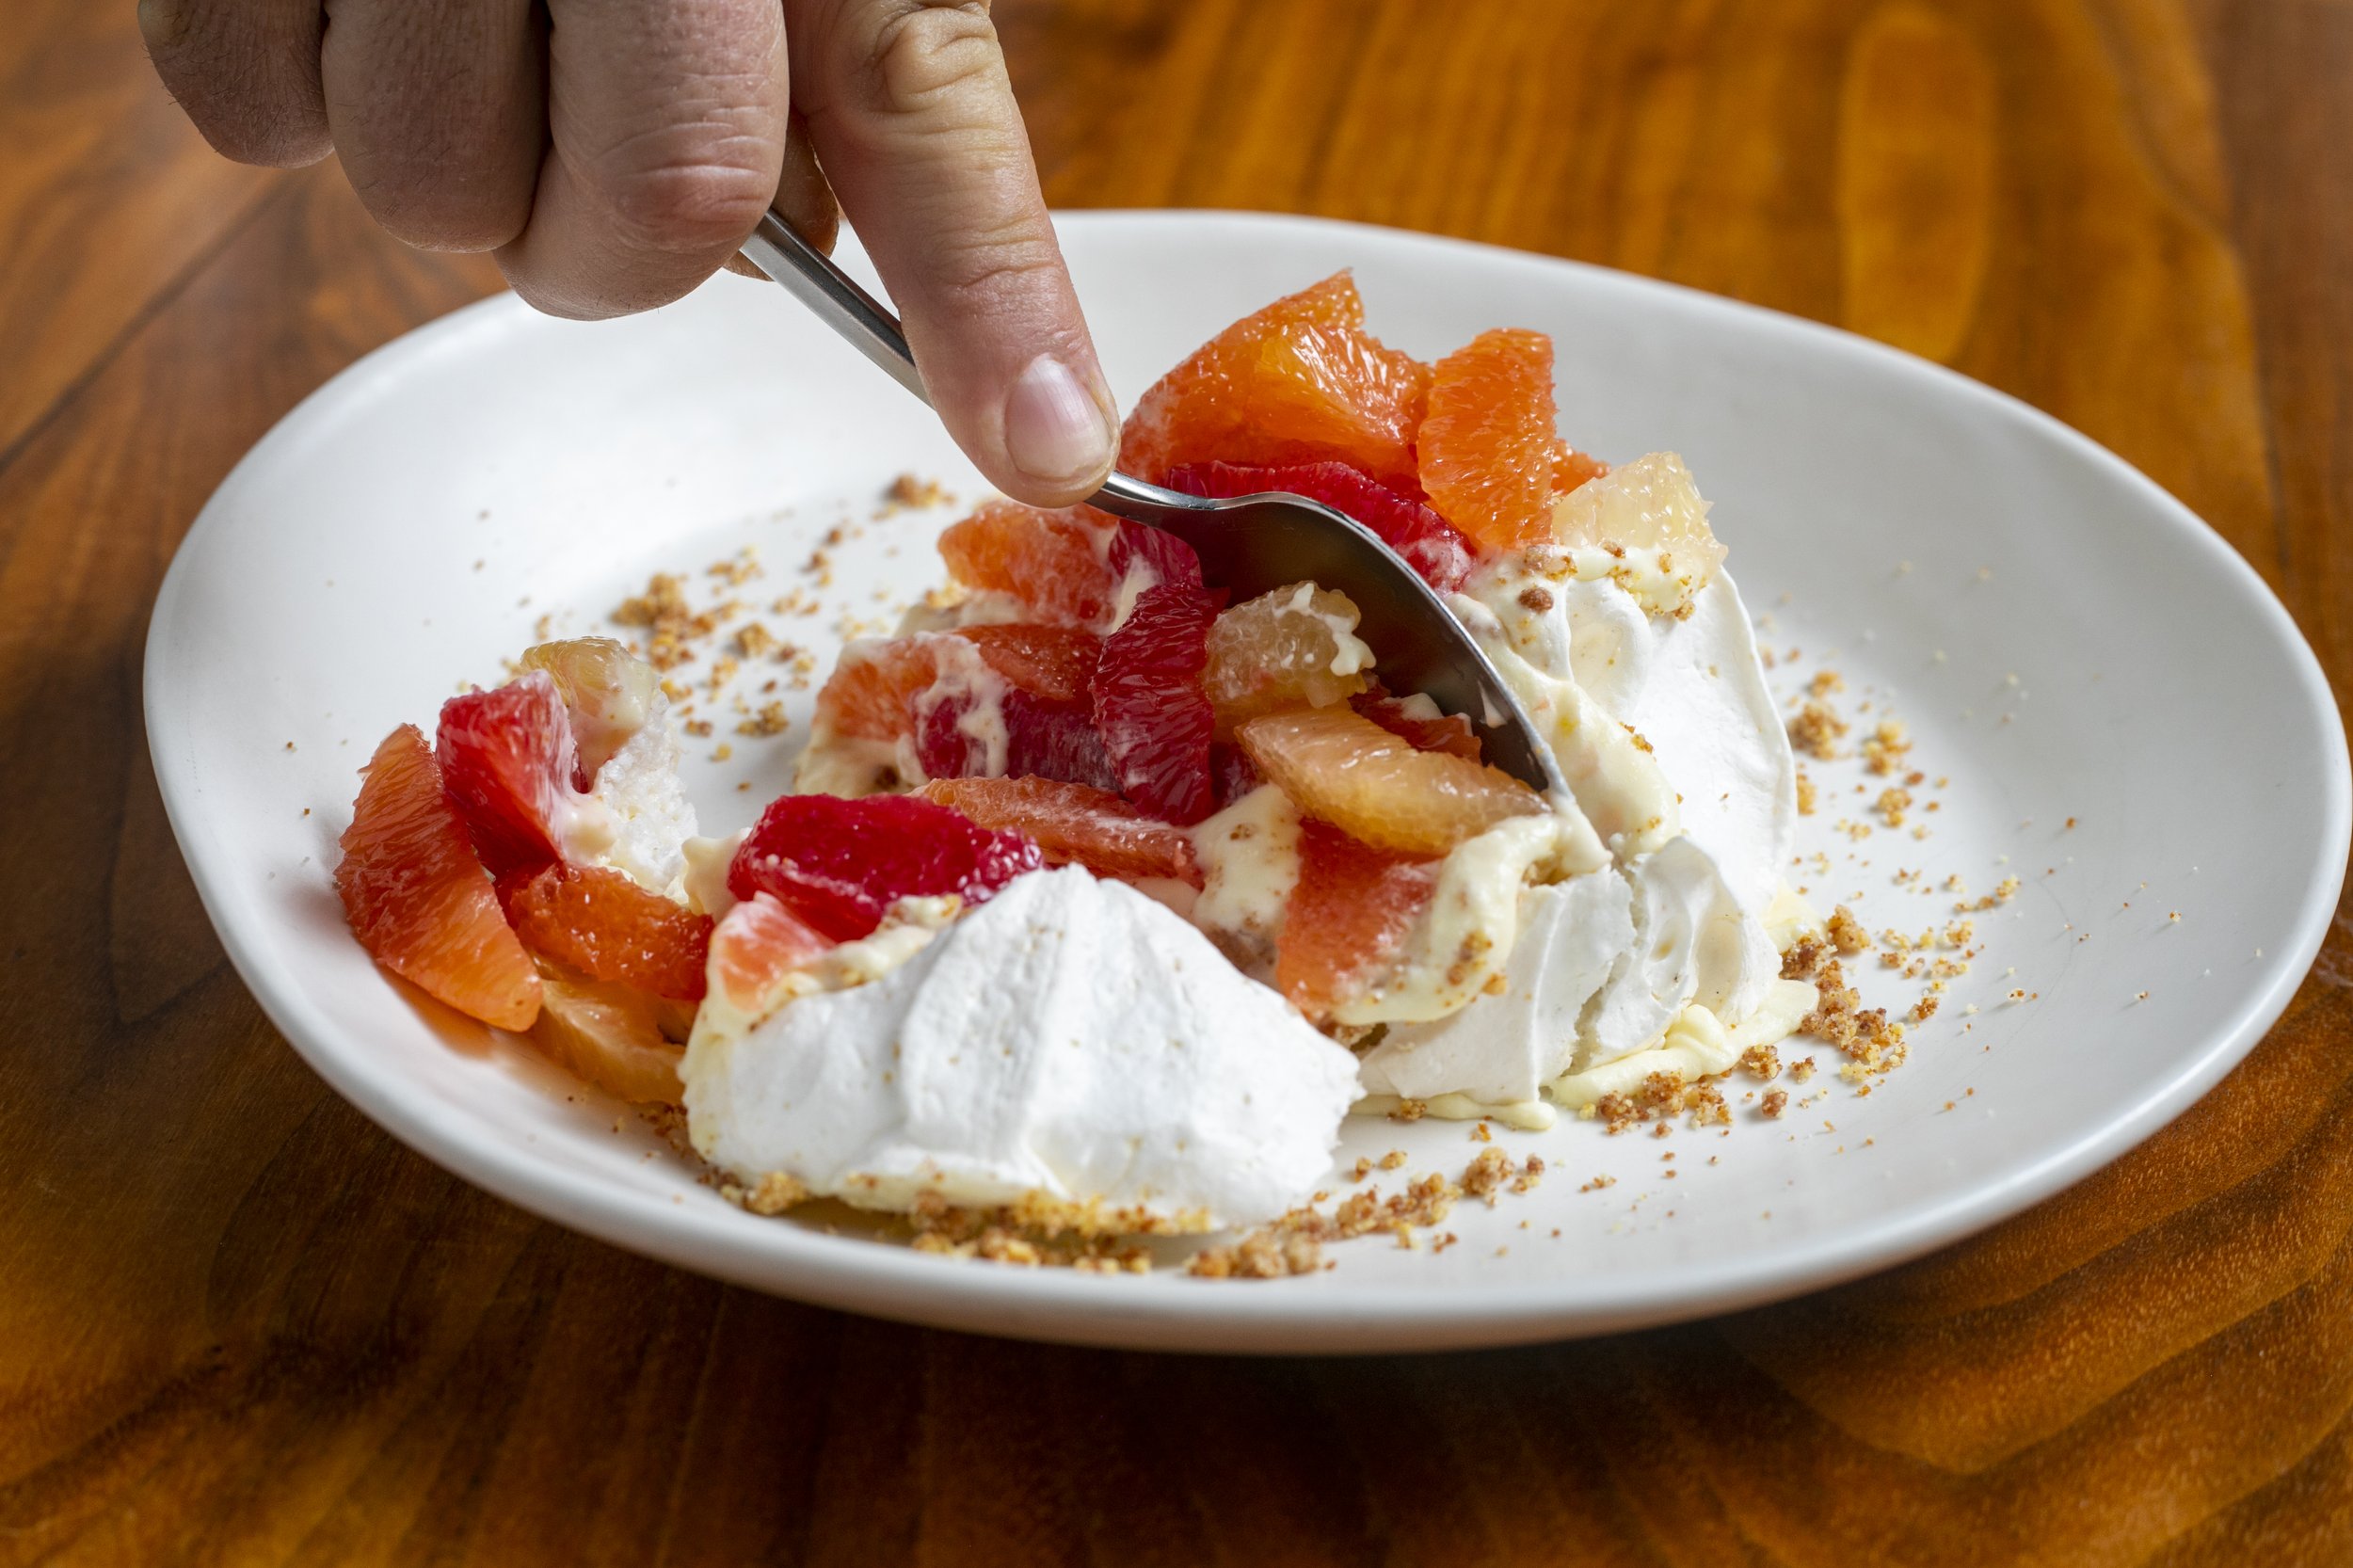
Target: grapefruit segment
x=1295 y=648
x=756 y=944
x=1299 y=382
x=508 y=762
x=602 y=923
x=1348 y=915
x=1346 y=769
x=1488 y=447
x=417 y=898
x=1073 y=823
x=838 y=865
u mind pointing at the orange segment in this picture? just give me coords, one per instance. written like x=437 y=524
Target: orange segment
x=602 y=923
x=1488 y=447
x=419 y=901
x=1056 y=563
x=609 y=1035
x=1572 y=468
x=1348 y=913
x=1298 y=382
x=1341 y=766
x=1072 y=823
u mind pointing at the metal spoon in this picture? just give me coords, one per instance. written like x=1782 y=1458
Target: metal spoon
x=1251 y=543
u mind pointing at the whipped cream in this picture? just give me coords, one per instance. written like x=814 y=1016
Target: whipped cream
x=636 y=817
x=1629 y=646
x=1071 y=1040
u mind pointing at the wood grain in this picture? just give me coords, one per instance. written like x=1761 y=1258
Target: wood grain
x=238 y=1325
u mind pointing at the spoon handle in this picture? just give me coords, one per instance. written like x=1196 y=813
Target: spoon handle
x=810 y=276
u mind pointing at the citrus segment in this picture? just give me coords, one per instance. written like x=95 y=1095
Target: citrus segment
x=1649 y=503
x=1572 y=468
x=1076 y=566
x=1295 y=646
x=507 y=761
x=1071 y=823
x=609 y=1035
x=1341 y=766
x=838 y=865
x=1150 y=707
x=1418 y=721
x=1429 y=544
x=609 y=693
x=603 y=924
x=1487 y=446
x=755 y=944
x=1299 y=382
x=1349 y=914
x=417 y=898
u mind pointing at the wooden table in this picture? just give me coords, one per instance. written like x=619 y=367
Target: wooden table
x=238 y=1323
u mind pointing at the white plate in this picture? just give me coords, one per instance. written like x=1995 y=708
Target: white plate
x=2064 y=639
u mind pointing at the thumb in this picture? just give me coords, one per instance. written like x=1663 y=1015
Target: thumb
x=912 y=114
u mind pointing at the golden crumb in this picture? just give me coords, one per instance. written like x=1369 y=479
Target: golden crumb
x=1816 y=730
x=1892 y=804
x=1803 y=1068
x=1393 y=1160
x=1925 y=1009
x=1762 y=1062
x=1807 y=794
x=1775 y=1102
x=1825 y=683
x=1885 y=750
x=769 y=720
x=1409 y=1111
x=1846 y=933
x=909 y=493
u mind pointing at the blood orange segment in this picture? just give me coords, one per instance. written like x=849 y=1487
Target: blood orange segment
x=1048 y=740
x=1232 y=774
x=1150 y=707
x=1341 y=766
x=1299 y=382
x=924 y=686
x=507 y=761
x=603 y=924
x=1071 y=823
x=1418 y=721
x=840 y=865
x=608 y=1035
x=1348 y=913
x=1488 y=444
x=1296 y=647
x=758 y=943
x=417 y=898
x=1076 y=566
x=1429 y=544
x=609 y=693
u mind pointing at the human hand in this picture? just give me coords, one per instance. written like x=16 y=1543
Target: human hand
x=613 y=153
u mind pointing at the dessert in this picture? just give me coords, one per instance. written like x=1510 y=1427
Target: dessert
x=1099 y=899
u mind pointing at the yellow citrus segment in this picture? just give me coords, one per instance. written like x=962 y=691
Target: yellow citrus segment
x=1342 y=768
x=1296 y=647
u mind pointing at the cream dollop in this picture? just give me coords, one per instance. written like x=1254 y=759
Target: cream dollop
x=1071 y=1041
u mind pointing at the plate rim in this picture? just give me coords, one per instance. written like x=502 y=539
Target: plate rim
x=855 y=1275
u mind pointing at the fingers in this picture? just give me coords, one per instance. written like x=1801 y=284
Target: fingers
x=666 y=142
x=247 y=71
x=436 y=109
x=911 y=111
x=802 y=196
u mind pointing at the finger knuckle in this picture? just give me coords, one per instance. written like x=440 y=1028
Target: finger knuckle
x=920 y=53
x=267 y=111
x=705 y=194
x=984 y=264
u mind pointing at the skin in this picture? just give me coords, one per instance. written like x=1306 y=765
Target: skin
x=614 y=154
